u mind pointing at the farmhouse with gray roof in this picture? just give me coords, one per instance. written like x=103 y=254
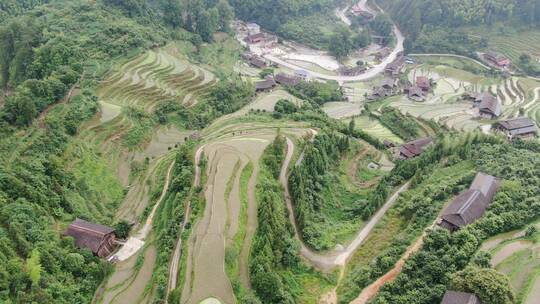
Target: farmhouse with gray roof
x=471 y=204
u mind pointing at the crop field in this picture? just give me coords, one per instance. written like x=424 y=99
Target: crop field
x=375 y=128
x=519 y=259
x=153 y=77
x=517 y=96
x=342 y=109
x=126 y=134
x=515 y=43
x=267 y=101
x=218 y=252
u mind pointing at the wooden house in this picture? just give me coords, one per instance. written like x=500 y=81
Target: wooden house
x=521 y=127
x=413 y=148
x=265 y=85
x=99 y=239
x=497 y=59
x=458 y=297
x=286 y=80
x=471 y=204
x=423 y=83
x=255 y=38
x=488 y=106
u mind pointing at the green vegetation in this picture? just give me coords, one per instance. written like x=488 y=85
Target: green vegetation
x=321 y=201
x=415 y=210
x=277 y=274
x=402 y=125
x=170 y=213
x=274 y=248
x=232 y=252
x=317 y=92
x=427 y=23
x=444 y=254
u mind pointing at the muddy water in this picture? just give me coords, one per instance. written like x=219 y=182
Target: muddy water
x=206 y=275
x=491 y=243
x=108 y=111
x=163 y=139
x=133 y=285
x=534 y=295
x=508 y=250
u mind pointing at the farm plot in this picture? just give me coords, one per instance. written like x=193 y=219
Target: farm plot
x=341 y=109
x=515 y=44
x=459 y=116
x=267 y=101
x=375 y=128
x=221 y=221
x=517 y=96
x=519 y=258
x=154 y=77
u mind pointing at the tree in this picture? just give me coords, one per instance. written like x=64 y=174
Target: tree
x=530 y=231
x=340 y=43
x=488 y=284
x=525 y=58
x=226 y=14
x=122 y=229
x=352 y=126
x=33 y=267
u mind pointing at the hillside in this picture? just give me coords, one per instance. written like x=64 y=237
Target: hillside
x=276 y=152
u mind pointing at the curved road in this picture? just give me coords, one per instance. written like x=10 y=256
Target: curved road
x=334 y=258
x=371 y=73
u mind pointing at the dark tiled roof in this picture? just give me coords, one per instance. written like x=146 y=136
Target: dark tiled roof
x=490 y=104
x=265 y=84
x=414 y=148
x=471 y=204
x=457 y=297
x=517 y=123
x=389 y=82
x=88 y=235
x=285 y=79
x=422 y=82
x=255 y=36
x=416 y=91
x=258 y=62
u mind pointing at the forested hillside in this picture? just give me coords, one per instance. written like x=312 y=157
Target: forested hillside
x=427 y=22
x=46 y=50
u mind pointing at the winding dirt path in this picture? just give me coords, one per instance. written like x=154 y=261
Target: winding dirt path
x=135 y=242
x=335 y=258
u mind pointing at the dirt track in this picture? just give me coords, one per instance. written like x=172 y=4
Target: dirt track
x=336 y=258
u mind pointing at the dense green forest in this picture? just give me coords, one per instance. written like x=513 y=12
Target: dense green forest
x=274 y=247
x=307 y=182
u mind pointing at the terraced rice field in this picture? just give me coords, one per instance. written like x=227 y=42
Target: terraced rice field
x=206 y=260
x=267 y=101
x=127 y=98
x=375 y=128
x=517 y=96
x=519 y=259
x=128 y=282
x=342 y=109
x=228 y=153
x=515 y=44
x=153 y=77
